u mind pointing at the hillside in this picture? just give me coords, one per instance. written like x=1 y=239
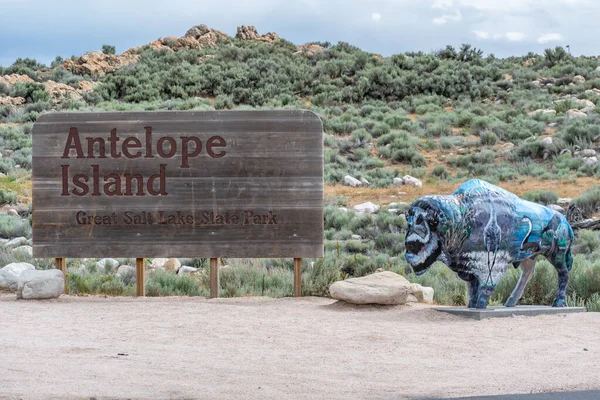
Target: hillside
x=530 y=124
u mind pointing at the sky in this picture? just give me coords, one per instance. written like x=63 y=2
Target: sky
x=43 y=29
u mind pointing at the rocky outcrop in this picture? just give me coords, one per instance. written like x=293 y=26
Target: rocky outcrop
x=11 y=79
x=12 y=101
x=379 y=288
x=96 y=63
x=309 y=49
x=250 y=33
x=59 y=92
x=571 y=114
x=40 y=285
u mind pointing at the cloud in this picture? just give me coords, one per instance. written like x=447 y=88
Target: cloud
x=447 y=17
x=515 y=36
x=376 y=16
x=550 y=37
x=482 y=35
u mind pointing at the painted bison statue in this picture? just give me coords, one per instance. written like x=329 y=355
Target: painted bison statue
x=479 y=230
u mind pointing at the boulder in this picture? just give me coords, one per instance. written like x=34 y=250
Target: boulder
x=411 y=181
x=594 y=91
x=24 y=250
x=379 y=288
x=557 y=208
x=48 y=284
x=586 y=105
x=185 y=270
x=107 y=264
x=399 y=206
x=571 y=114
x=9 y=275
x=16 y=242
x=356 y=237
x=398 y=181
x=125 y=271
x=96 y=63
x=546 y=141
x=587 y=153
x=351 y=181
x=247 y=33
x=367 y=207
x=423 y=294
x=12 y=101
x=309 y=49
x=13 y=212
x=590 y=161
x=197 y=31
x=11 y=79
x=578 y=79
x=172 y=265
x=60 y=92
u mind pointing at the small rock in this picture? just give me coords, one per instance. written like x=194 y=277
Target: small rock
x=364 y=181
x=571 y=114
x=398 y=181
x=48 y=284
x=411 y=181
x=356 y=237
x=343 y=209
x=557 y=208
x=541 y=111
x=351 y=181
x=423 y=294
x=379 y=288
x=564 y=201
x=9 y=275
x=462 y=151
x=187 y=270
x=535 y=83
x=367 y=207
x=399 y=206
x=553 y=125
x=158 y=263
x=172 y=265
x=546 y=141
x=578 y=79
x=12 y=211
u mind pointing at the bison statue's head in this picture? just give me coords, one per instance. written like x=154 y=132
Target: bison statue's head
x=428 y=221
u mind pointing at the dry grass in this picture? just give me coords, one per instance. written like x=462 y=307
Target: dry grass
x=383 y=196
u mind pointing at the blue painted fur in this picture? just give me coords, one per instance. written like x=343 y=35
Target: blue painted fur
x=480 y=230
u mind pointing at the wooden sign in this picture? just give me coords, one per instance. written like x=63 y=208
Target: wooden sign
x=178 y=184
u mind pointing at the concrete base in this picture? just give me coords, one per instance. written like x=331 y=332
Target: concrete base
x=500 y=311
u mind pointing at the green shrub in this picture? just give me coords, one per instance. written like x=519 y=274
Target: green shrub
x=12 y=226
x=168 y=284
x=108 y=49
x=488 y=138
x=440 y=171
x=544 y=197
x=7 y=197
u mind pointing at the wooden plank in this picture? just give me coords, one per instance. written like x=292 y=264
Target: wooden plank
x=140 y=276
x=297 y=277
x=262 y=198
x=214 y=277
x=61 y=263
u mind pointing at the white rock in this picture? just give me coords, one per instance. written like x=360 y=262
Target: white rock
x=564 y=201
x=423 y=294
x=367 y=207
x=578 y=79
x=48 y=284
x=590 y=161
x=587 y=105
x=107 y=264
x=187 y=270
x=541 y=111
x=575 y=114
x=356 y=237
x=412 y=299
x=379 y=288
x=125 y=271
x=9 y=275
x=597 y=69
x=351 y=181
x=158 y=263
x=398 y=181
x=588 y=153
x=172 y=265
x=16 y=242
x=364 y=181
x=546 y=141
x=411 y=181
x=556 y=208
x=535 y=83
x=13 y=212
x=343 y=209
x=24 y=250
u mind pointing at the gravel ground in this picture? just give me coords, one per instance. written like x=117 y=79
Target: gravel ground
x=262 y=348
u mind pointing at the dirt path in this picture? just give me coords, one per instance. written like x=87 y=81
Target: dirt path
x=260 y=348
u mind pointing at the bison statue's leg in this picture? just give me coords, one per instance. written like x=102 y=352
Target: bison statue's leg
x=527 y=267
x=473 y=292
x=562 y=262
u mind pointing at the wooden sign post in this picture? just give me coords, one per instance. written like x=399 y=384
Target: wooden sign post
x=179 y=184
